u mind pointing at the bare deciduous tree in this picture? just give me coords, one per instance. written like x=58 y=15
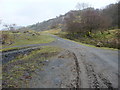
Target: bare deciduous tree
x=81 y=6
x=10 y=26
x=88 y=22
x=94 y=20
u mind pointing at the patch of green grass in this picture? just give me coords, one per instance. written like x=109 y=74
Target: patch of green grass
x=49 y=49
x=33 y=40
x=25 y=38
x=18 y=72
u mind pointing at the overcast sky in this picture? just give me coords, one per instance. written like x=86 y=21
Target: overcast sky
x=27 y=12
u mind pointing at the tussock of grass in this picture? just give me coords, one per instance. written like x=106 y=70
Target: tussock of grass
x=18 y=72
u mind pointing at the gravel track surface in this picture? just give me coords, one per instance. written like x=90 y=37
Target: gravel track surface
x=78 y=66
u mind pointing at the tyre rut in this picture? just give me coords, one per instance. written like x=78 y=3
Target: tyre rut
x=93 y=76
x=106 y=81
x=78 y=72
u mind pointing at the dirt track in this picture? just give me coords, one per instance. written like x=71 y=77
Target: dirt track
x=78 y=66
x=98 y=67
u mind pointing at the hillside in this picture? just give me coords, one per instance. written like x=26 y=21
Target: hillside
x=110 y=13
x=45 y=25
x=58 y=22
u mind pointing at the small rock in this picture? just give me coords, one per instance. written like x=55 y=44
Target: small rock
x=25 y=55
x=57 y=81
x=28 y=77
x=99 y=44
x=61 y=56
x=53 y=67
x=47 y=60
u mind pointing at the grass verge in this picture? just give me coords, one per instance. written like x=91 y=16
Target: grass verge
x=106 y=40
x=91 y=45
x=18 y=72
x=12 y=48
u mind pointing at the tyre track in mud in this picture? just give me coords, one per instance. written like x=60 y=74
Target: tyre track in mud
x=93 y=82
x=93 y=76
x=78 y=80
x=88 y=71
x=106 y=81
